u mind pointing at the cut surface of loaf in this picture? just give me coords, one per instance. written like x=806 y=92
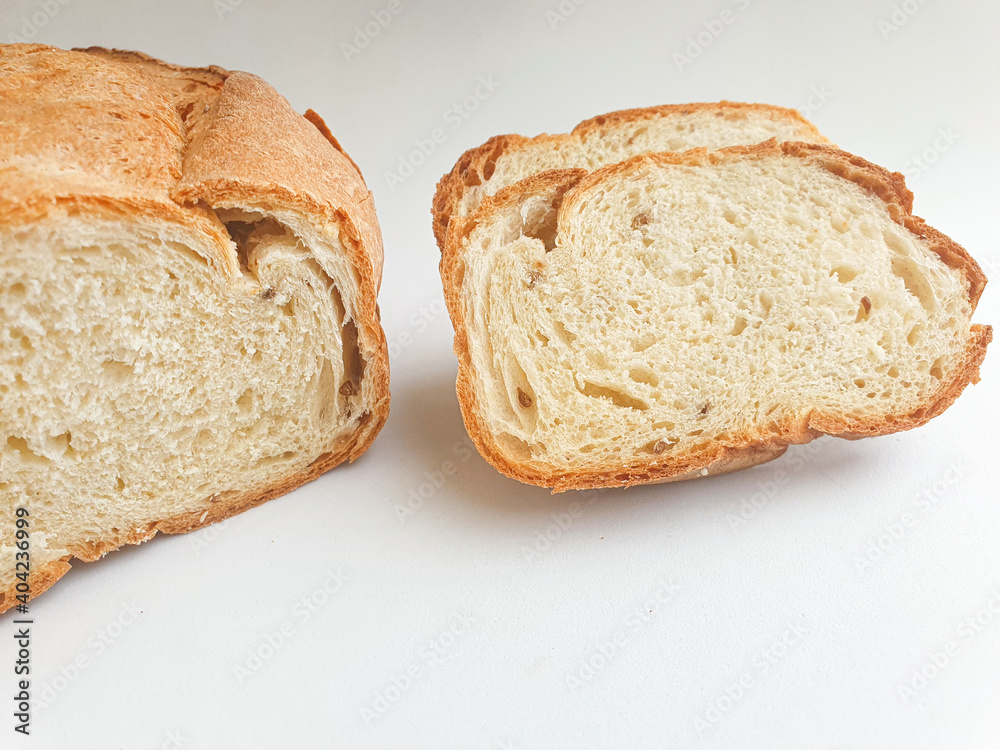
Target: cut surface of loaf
x=503 y=160
x=188 y=319
x=678 y=315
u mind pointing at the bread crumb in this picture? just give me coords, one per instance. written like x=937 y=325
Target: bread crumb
x=704 y=472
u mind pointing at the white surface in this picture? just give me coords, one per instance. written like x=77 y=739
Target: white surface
x=736 y=585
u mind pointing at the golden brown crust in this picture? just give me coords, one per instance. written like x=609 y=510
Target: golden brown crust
x=475 y=164
x=135 y=136
x=566 y=186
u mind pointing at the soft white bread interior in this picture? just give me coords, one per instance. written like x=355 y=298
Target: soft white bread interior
x=679 y=315
x=607 y=139
x=188 y=325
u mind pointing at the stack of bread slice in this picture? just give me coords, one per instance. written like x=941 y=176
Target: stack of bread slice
x=686 y=290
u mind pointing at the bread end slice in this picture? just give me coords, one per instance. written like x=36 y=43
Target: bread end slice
x=188 y=316
x=682 y=315
x=503 y=160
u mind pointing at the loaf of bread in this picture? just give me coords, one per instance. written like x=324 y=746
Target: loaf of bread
x=188 y=318
x=506 y=159
x=680 y=315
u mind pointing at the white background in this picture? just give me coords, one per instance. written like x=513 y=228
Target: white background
x=780 y=628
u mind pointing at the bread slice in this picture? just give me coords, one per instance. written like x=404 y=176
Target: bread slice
x=188 y=319
x=680 y=315
x=506 y=159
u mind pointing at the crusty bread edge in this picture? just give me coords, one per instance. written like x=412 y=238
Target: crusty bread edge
x=757 y=448
x=362 y=230
x=452 y=186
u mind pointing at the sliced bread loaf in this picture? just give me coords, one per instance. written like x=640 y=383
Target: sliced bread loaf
x=678 y=315
x=506 y=159
x=188 y=319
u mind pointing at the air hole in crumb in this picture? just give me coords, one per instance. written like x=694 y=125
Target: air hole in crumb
x=616 y=396
x=644 y=375
x=277 y=459
x=513 y=446
x=640 y=220
x=907 y=270
x=524 y=399
x=845 y=274
x=354 y=365
x=544 y=229
x=937 y=370
x=739 y=326
x=20 y=446
x=245 y=402
x=118 y=371
x=642 y=343
x=563 y=333
x=766 y=303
